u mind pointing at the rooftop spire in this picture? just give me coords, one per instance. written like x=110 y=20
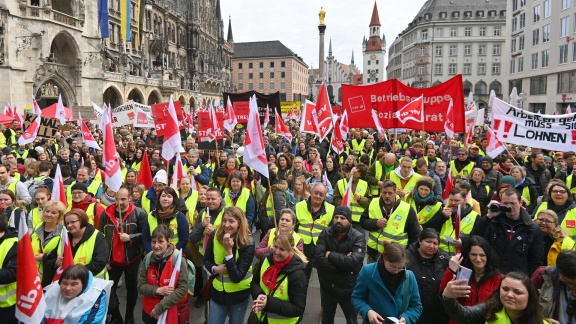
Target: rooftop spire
x=230 y=38
x=218 y=12
x=375 y=21
x=330 y=48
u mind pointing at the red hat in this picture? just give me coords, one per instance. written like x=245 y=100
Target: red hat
x=433 y=136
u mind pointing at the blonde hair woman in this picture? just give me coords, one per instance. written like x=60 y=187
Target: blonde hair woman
x=556 y=238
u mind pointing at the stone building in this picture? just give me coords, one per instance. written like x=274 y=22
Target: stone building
x=374 y=51
x=52 y=47
x=447 y=38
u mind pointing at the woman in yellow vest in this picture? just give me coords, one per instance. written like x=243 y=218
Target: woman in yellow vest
x=88 y=244
x=8 y=249
x=286 y=226
x=556 y=239
x=46 y=240
x=247 y=178
x=137 y=160
x=235 y=194
x=229 y=258
x=424 y=202
x=560 y=200
x=41 y=196
x=188 y=197
x=525 y=186
x=279 y=285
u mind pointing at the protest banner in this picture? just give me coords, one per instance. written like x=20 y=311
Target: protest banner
x=204 y=124
x=125 y=114
x=240 y=102
x=286 y=106
x=390 y=96
x=160 y=115
x=517 y=126
x=143 y=119
x=448 y=153
x=48 y=126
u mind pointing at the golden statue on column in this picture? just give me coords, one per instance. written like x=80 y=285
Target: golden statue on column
x=322 y=15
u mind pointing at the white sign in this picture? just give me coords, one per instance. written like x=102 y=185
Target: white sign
x=143 y=119
x=126 y=114
x=517 y=126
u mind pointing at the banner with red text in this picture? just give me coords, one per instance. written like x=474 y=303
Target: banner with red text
x=160 y=114
x=388 y=97
x=241 y=102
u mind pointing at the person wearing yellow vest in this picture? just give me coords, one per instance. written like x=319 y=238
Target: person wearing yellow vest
x=235 y=194
x=88 y=244
x=286 y=226
x=571 y=181
x=360 y=195
x=8 y=206
x=153 y=281
x=17 y=187
x=403 y=143
x=556 y=238
x=461 y=166
x=150 y=198
x=93 y=185
x=279 y=285
x=314 y=215
x=404 y=177
x=228 y=258
x=167 y=212
x=376 y=174
x=424 y=202
x=525 y=186
x=188 y=198
x=84 y=200
x=8 y=249
x=560 y=200
x=46 y=240
x=41 y=197
x=357 y=143
x=196 y=169
x=389 y=218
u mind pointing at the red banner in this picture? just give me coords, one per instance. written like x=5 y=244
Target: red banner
x=204 y=124
x=160 y=114
x=390 y=96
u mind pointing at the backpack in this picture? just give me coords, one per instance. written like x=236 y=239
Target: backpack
x=289 y=199
x=32 y=185
x=189 y=265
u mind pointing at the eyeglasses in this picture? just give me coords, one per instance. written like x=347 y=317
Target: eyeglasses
x=72 y=222
x=562 y=192
x=394 y=269
x=541 y=220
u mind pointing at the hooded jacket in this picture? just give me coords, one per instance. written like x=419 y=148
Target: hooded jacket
x=132 y=224
x=297 y=288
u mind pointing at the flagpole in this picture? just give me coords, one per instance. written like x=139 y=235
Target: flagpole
x=272 y=201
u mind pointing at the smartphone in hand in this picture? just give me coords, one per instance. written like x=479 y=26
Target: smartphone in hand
x=464 y=273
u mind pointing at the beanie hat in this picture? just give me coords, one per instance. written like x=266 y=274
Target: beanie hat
x=80 y=186
x=413 y=152
x=509 y=180
x=161 y=177
x=344 y=211
x=423 y=182
x=487 y=159
x=547 y=159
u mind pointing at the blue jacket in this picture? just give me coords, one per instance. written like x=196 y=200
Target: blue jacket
x=97 y=314
x=183 y=229
x=370 y=293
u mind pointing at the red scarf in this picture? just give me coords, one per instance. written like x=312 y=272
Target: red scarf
x=117 y=245
x=271 y=274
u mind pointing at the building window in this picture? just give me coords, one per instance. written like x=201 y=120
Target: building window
x=563 y=53
x=567 y=82
x=377 y=62
x=424 y=34
x=261 y=64
x=482 y=31
x=495 y=68
x=241 y=86
x=438 y=69
x=261 y=75
x=535 y=36
x=467 y=50
x=564 y=24
x=496 y=49
x=282 y=64
x=421 y=69
x=481 y=49
x=496 y=31
x=565 y=4
x=249 y=65
x=514 y=24
x=513 y=44
x=467 y=69
x=512 y=66
x=250 y=75
x=271 y=75
x=240 y=76
x=261 y=86
x=534 y=64
x=453 y=50
x=538 y=85
x=282 y=85
x=481 y=68
x=522 y=21
x=521 y=42
x=545 y=33
x=537 y=13
x=438 y=50
x=468 y=31
x=282 y=74
x=453 y=32
x=239 y=66
x=439 y=32
x=271 y=85
x=545 y=58
x=250 y=86
x=547 y=8
x=452 y=68
x=520 y=64
x=271 y=64
x=574 y=52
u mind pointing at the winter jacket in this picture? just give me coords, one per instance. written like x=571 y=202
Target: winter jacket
x=297 y=288
x=73 y=164
x=132 y=224
x=8 y=267
x=370 y=293
x=333 y=177
x=183 y=230
x=428 y=273
x=465 y=315
x=197 y=233
x=523 y=252
x=493 y=178
x=532 y=191
x=101 y=252
x=204 y=176
x=338 y=272
x=541 y=176
x=481 y=195
x=237 y=270
x=547 y=282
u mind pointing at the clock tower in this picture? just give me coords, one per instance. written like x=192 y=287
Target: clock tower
x=374 y=51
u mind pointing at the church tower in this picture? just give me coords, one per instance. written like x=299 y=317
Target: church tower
x=374 y=51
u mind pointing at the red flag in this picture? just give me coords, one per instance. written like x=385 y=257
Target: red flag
x=171 y=314
x=297 y=116
x=87 y=137
x=8 y=110
x=347 y=197
x=470 y=121
x=145 y=175
x=66 y=253
x=414 y=110
x=344 y=128
x=283 y=130
x=19 y=118
x=494 y=147
x=35 y=108
x=308 y=124
x=568 y=109
x=290 y=114
x=266 y=117
x=379 y=127
x=31 y=132
x=172 y=142
x=449 y=187
x=178 y=172
x=193 y=184
x=336 y=141
x=60 y=113
x=214 y=127
x=58 y=192
x=254 y=153
x=30 y=304
x=230 y=120
x=111 y=163
x=449 y=123
x=323 y=112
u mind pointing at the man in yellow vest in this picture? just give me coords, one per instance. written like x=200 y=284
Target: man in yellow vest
x=17 y=187
x=94 y=186
x=8 y=247
x=196 y=169
x=461 y=166
x=360 y=193
x=376 y=174
x=404 y=177
x=314 y=214
x=388 y=218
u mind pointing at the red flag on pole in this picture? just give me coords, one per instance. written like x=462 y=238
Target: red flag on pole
x=111 y=163
x=308 y=123
x=282 y=129
x=171 y=314
x=30 y=304
x=29 y=135
x=58 y=192
x=266 y=117
x=87 y=137
x=172 y=142
x=35 y=108
x=66 y=253
x=178 y=172
x=347 y=197
x=323 y=112
x=449 y=123
x=254 y=153
x=336 y=141
x=60 y=113
x=413 y=110
x=230 y=120
x=145 y=175
x=449 y=187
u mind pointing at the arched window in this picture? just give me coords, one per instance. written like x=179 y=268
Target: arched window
x=467 y=88
x=480 y=88
x=496 y=86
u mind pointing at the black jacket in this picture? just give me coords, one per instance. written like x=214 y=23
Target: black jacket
x=532 y=190
x=481 y=195
x=132 y=225
x=465 y=314
x=297 y=288
x=8 y=267
x=523 y=252
x=73 y=164
x=101 y=252
x=338 y=272
x=541 y=176
x=197 y=233
x=429 y=273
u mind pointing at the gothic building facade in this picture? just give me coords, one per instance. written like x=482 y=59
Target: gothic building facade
x=53 y=47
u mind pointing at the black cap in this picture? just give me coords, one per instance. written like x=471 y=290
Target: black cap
x=80 y=186
x=344 y=211
x=6 y=150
